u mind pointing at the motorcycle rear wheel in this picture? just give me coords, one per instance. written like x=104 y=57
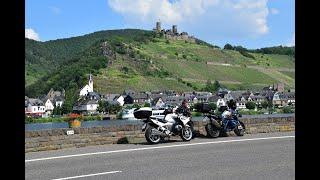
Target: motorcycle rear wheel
x=150 y=137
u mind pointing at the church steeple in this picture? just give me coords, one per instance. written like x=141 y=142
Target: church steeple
x=90 y=81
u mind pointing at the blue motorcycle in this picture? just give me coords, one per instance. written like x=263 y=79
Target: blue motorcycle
x=220 y=125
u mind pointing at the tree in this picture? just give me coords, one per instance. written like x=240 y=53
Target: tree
x=264 y=104
x=212 y=106
x=136 y=106
x=209 y=86
x=66 y=107
x=57 y=110
x=216 y=85
x=146 y=104
x=228 y=46
x=112 y=108
x=250 y=105
x=287 y=109
x=101 y=106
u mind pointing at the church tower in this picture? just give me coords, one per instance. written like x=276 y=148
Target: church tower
x=90 y=82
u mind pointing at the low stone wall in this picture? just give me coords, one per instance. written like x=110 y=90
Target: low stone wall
x=131 y=133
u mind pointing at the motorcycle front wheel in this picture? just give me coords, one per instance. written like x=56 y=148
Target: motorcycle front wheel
x=240 y=129
x=151 y=137
x=212 y=131
x=186 y=134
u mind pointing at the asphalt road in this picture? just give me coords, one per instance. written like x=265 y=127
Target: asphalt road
x=258 y=156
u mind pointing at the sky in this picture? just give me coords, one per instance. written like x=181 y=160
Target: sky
x=249 y=23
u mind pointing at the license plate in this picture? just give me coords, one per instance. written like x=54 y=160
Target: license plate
x=239 y=127
x=144 y=127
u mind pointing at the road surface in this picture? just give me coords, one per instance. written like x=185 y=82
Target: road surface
x=256 y=156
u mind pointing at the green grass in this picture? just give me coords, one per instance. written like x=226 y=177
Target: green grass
x=192 y=69
x=290 y=74
x=202 y=71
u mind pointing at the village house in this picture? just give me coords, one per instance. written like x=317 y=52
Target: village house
x=157 y=103
x=176 y=100
x=34 y=107
x=53 y=99
x=87 y=88
x=87 y=104
x=258 y=99
x=141 y=98
x=218 y=100
x=281 y=99
x=241 y=105
x=113 y=98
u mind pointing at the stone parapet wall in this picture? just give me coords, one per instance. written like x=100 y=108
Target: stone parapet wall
x=131 y=133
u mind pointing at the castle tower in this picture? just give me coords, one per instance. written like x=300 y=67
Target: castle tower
x=90 y=82
x=174 y=29
x=158 y=26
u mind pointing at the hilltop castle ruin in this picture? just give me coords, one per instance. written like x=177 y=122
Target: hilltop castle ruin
x=173 y=34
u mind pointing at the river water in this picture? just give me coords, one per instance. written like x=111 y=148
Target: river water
x=108 y=123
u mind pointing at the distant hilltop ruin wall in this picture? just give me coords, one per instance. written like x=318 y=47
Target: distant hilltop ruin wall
x=173 y=33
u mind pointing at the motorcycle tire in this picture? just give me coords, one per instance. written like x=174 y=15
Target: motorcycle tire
x=223 y=133
x=152 y=139
x=186 y=134
x=240 y=132
x=212 y=131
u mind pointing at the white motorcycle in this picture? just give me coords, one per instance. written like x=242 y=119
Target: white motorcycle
x=171 y=125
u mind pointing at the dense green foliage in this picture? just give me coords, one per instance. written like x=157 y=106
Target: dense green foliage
x=250 y=105
x=283 y=50
x=143 y=61
x=290 y=51
x=287 y=109
x=212 y=87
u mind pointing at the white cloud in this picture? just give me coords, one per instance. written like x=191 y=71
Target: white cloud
x=214 y=18
x=274 y=11
x=31 y=34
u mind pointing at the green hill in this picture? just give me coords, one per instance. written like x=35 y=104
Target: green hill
x=142 y=60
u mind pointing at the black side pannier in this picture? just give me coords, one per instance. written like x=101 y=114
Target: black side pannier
x=203 y=108
x=142 y=113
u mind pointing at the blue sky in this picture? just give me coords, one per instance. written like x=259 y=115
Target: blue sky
x=249 y=23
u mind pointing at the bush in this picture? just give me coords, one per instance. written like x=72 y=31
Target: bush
x=246 y=54
x=184 y=56
x=265 y=104
x=287 y=109
x=196 y=114
x=146 y=104
x=91 y=118
x=28 y=120
x=213 y=106
x=250 y=105
x=167 y=42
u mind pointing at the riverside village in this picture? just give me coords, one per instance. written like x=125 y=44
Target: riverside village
x=94 y=105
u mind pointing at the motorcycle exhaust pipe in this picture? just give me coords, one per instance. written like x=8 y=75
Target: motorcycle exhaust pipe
x=157 y=132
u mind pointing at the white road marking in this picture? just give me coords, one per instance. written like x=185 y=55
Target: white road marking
x=157 y=147
x=88 y=175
